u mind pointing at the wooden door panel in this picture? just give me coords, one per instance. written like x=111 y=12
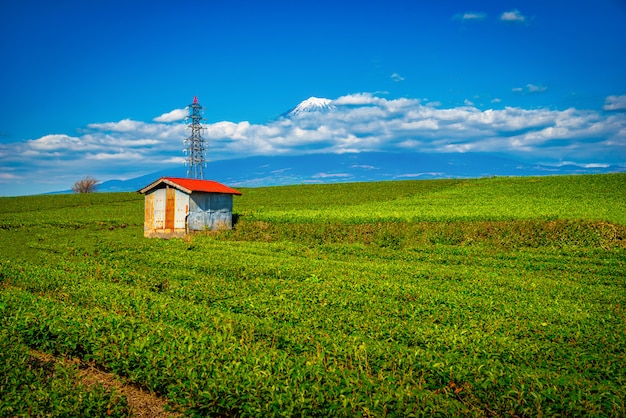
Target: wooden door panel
x=170 y=208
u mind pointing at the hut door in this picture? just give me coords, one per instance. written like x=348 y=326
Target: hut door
x=149 y=210
x=170 y=207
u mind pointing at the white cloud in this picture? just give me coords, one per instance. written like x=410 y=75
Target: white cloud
x=175 y=160
x=54 y=142
x=173 y=116
x=125 y=125
x=330 y=175
x=7 y=177
x=397 y=77
x=468 y=102
x=532 y=88
x=360 y=122
x=470 y=16
x=529 y=88
x=513 y=16
x=120 y=155
x=357 y=99
x=615 y=103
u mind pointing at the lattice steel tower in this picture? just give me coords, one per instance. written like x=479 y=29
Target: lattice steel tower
x=195 y=144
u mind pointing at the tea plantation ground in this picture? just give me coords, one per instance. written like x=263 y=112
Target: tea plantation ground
x=483 y=297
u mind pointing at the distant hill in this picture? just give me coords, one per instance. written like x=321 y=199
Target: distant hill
x=366 y=166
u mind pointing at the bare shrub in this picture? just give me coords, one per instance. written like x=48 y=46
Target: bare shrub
x=86 y=185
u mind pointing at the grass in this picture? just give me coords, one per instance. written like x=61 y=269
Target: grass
x=500 y=296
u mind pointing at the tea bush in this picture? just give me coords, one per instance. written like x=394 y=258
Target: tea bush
x=31 y=386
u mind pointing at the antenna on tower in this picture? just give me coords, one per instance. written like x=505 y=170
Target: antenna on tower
x=195 y=144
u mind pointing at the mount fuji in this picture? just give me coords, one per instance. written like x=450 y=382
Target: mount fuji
x=310 y=105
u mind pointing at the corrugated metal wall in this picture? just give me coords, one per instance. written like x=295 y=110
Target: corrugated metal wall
x=210 y=211
x=166 y=212
x=159 y=209
x=148 y=222
x=181 y=210
x=170 y=212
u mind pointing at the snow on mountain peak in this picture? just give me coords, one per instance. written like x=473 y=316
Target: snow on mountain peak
x=312 y=104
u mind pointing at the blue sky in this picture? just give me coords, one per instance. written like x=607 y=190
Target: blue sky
x=97 y=88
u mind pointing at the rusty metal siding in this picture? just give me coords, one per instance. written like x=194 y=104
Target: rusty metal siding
x=159 y=209
x=181 y=211
x=148 y=224
x=170 y=207
x=165 y=213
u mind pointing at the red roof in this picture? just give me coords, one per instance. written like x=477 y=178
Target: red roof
x=192 y=185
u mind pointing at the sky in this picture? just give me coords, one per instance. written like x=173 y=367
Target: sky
x=100 y=88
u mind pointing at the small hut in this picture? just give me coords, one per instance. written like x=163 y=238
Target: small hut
x=176 y=206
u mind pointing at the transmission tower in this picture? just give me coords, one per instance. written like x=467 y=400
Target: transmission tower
x=195 y=144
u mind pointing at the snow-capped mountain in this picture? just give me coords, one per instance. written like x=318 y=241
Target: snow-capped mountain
x=310 y=105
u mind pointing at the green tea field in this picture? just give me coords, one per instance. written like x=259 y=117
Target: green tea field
x=463 y=297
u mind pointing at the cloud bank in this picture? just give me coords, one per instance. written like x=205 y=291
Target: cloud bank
x=357 y=123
